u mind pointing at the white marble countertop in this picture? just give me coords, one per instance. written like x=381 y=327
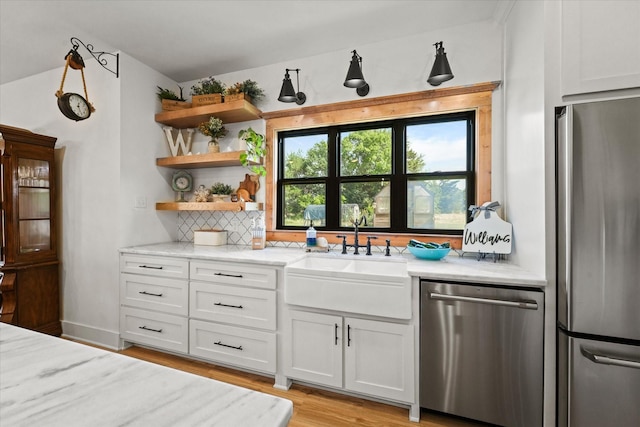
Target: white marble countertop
x=49 y=381
x=451 y=268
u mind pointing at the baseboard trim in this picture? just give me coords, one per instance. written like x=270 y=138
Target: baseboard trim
x=91 y=335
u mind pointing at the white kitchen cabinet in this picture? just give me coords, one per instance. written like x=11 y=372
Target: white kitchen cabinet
x=243 y=347
x=154 y=301
x=600 y=46
x=232 y=311
x=163 y=331
x=219 y=311
x=313 y=347
x=378 y=356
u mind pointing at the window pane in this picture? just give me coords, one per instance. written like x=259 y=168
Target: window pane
x=437 y=147
x=368 y=199
x=305 y=156
x=365 y=152
x=437 y=204
x=304 y=203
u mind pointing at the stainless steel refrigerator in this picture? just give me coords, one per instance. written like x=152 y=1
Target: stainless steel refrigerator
x=598 y=218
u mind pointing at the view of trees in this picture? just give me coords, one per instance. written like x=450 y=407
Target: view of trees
x=364 y=152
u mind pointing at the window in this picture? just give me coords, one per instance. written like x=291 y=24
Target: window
x=402 y=176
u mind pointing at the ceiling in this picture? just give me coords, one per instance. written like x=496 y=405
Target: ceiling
x=187 y=40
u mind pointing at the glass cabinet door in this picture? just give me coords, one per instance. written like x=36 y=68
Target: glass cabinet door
x=34 y=206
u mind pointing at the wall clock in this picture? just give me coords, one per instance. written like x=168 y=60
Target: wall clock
x=74 y=106
x=182 y=181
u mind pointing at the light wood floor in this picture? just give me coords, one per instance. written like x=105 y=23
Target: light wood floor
x=311 y=407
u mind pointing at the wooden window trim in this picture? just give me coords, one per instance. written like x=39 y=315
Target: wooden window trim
x=475 y=97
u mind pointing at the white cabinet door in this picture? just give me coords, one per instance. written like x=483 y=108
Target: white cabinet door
x=379 y=359
x=313 y=347
x=233 y=305
x=600 y=46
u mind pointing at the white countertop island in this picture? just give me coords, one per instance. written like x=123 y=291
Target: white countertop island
x=49 y=381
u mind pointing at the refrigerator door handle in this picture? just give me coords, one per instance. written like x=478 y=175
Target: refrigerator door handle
x=530 y=305
x=609 y=360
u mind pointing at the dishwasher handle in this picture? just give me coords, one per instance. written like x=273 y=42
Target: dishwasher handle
x=529 y=305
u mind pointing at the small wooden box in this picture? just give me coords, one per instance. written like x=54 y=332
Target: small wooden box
x=236 y=97
x=212 y=98
x=171 y=105
x=210 y=237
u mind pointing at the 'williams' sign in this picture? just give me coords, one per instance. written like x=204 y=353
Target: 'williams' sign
x=487 y=233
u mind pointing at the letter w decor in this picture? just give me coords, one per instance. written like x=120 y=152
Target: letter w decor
x=178 y=146
x=487 y=233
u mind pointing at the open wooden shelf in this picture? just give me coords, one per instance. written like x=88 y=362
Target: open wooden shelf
x=229 y=158
x=229 y=112
x=207 y=206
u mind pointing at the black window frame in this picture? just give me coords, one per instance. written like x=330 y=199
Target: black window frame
x=398 y=177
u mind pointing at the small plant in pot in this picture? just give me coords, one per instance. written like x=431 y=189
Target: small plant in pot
x=220 y=191
x=214 y=129
x=169 y=94
x=171 y=101
x=256 y=150
x=248 y=88
x=207 y=91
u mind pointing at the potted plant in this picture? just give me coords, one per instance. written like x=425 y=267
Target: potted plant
x=207 y=91
x=220 y=191
x=170 y=101
x=247 y=89
x=214 y=129
x=256 y=150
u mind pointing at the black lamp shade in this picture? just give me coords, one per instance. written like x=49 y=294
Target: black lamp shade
x=441 y=71
x=287 y=93
x=354 y=79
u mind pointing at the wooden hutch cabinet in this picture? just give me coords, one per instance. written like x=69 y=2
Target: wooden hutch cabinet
x=29 y=264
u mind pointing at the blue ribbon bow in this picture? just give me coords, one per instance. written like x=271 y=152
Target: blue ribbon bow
x=486 y=208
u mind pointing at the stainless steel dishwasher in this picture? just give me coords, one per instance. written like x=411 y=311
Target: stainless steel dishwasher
x=481 y=352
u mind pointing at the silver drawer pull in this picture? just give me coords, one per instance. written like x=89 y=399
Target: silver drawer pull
x=227 y=305
x=149 y=293
x=505 y=303
x=239 y=276
x=150 y=329
x=229 y=346
x=609 y=360
x=151 y=266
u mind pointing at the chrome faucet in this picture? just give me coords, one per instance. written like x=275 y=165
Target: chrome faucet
x=356 y=243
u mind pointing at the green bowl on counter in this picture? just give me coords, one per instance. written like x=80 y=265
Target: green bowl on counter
x=425 y=253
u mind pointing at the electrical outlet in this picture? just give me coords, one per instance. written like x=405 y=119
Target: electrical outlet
x=233 y=224
x=140 y=202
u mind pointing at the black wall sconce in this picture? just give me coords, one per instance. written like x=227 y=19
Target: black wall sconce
x=441 y=71
x=355 y=79
x=287 y=93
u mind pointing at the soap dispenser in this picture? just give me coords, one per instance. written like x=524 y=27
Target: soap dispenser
x=311 y=236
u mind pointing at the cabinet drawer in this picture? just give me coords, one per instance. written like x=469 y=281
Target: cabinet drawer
x=155 y=329
x=232 y=304
x=155 y=293
x=236 y=346
x=234 y=274
x=174 y=268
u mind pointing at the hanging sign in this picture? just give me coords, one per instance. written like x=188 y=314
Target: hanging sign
x=487 y=233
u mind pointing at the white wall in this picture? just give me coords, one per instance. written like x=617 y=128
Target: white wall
x=524 y=162
x=105 y=161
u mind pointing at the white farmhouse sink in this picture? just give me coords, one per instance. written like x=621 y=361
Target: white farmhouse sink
x=373 y=285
